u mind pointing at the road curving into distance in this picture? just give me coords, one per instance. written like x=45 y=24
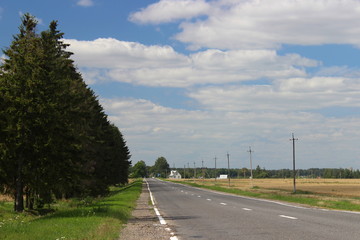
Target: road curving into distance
x=194 y=213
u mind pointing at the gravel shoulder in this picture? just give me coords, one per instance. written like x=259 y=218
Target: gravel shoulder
x=144 y=224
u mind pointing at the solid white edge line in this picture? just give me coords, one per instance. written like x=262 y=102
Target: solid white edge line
x=161 y=219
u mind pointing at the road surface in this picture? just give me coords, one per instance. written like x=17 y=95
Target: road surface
x=201 y=214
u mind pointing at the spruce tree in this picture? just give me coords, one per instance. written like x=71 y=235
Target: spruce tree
x=55 y=138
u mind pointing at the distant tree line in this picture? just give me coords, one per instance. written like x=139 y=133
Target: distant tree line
x=259 y=172
x=161 y=169
x=55 y=139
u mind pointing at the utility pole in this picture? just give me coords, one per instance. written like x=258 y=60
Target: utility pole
x=251 y=173
x=184 y=172
x=228 y=155
x=203 y=170
x=194 y=171
x=188 y=169
x=239 y=171
x=215 y=169
x=293 y=139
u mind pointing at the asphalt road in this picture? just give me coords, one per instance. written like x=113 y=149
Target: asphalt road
x=201 y=214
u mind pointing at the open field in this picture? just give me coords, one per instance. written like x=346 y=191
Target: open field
x=341 y=194
x=331 y=187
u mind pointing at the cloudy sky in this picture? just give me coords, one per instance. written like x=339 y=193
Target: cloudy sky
x=193 y=79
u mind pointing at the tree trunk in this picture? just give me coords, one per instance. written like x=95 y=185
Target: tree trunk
x=15 y=201
x=19 y=201
x=31 y=205
x=19 y=197
x=27 y=198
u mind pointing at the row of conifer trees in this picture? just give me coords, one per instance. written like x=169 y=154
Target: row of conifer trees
x=55 y=139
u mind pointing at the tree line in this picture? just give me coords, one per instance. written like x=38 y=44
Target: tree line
x=55 y=139
x=161 y=168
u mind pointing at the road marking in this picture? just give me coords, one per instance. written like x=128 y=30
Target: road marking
x=208 y=199
x=161 y=219
x=223 y=204
x=247 y=209
x=289 y=217
x=199 y=196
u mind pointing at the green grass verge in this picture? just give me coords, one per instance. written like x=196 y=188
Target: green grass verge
x=300 y=197
x=95 y=220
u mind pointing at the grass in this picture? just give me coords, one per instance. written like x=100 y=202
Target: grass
x=300 y=197
x=95 y=220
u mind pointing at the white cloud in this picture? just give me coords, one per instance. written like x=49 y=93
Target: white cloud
x=85 y=3
x=320 y=85
x=153 y=130
x=162 y=66
x=258 y=24
x=169 y=11
x=288 y=95
x=112 y=53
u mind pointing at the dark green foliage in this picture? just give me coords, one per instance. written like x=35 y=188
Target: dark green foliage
x=161 y=167
x=260 y=173
x=55 y=139
x=139 y=170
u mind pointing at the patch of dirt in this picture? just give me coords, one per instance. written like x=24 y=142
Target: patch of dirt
x=6 y=198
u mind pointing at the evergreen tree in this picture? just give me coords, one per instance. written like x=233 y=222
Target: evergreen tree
x=20 y=74
x=55 y=137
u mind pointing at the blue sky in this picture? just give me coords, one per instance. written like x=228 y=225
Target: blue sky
x=193 y=79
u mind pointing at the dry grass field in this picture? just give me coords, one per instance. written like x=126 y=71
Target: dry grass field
x=328 y=187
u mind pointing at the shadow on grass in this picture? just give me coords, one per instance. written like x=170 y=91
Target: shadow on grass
x=134 y=185
x=117 y=205
x=104 y=210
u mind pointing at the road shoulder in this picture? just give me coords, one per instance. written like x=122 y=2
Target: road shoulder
x=144 y=224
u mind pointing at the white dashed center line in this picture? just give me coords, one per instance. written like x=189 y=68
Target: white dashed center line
x=223 y=204
x=247 y=209
x=208 y=199
x=289 y=217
